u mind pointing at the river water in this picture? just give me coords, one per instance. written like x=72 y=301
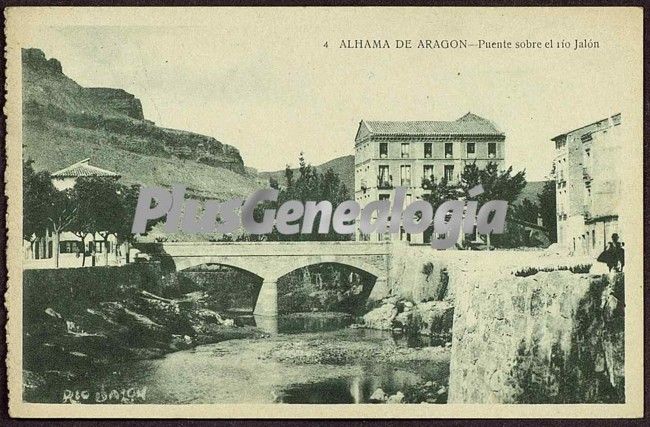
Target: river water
x=305 y=361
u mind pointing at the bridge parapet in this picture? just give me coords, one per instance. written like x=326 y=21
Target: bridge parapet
x=272 y=260
x=274 y=248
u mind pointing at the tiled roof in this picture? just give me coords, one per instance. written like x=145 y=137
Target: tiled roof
x=595 y=126
x=82 y=168
x=469 y=124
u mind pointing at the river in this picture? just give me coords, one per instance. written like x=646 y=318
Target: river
x=305 y=361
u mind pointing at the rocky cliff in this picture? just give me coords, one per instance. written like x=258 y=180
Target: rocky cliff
x=117 y=100
x=64 y=122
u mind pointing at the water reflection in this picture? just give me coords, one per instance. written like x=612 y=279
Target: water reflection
x=295 y=323
x=254 y=370
x=352 y=389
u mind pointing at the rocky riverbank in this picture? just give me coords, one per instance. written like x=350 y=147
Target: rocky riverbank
x=140 y=326
x=429 y=318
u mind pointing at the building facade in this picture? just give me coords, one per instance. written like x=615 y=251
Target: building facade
x=40 y=252
x=391 y=154
x=588 y=185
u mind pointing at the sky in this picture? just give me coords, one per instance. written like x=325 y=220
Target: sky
x=262 y=80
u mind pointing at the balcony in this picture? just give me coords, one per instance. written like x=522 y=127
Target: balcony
x=405 y=183
x=384 y=185
x=586 y=174
x=364 y=186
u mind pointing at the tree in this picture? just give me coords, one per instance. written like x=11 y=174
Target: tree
x=44 y=207
x=100 y=209
x=129 y=200
x=309 y=185
x=37 y=190
x=547 y=209
x=439 y=192
x=526 y=211
x=497 y=185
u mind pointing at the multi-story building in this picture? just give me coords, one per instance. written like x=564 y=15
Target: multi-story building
x=588 y=185
x=392 y=154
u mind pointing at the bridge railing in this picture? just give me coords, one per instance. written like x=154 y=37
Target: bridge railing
x=265 y=248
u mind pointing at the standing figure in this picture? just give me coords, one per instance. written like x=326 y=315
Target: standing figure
x=614 y=255
x=619 y=252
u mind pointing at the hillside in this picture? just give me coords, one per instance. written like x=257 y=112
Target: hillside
x=530 y=192
x=342 y=166
x=64 y=123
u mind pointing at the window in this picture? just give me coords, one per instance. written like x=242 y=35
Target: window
x=405 y=175
x=403 y=235
x=449 y=150
x=383 y=150
x=593 y=238
x=449 y=173
x=428 y=150
x=384 y=197
x=471 y=148
x=69 y=247
x=427 y=172
x=492 y=150
x=405 y=149
x=99 y=247
x=383 y=180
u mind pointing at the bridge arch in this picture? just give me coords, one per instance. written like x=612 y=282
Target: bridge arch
x=238 y=263
x=358 y=264
x=271 y=261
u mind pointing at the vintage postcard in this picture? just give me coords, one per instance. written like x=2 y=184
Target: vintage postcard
x=324 y=212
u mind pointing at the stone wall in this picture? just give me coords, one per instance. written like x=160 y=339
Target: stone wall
x=410 y=279
x=549 y=337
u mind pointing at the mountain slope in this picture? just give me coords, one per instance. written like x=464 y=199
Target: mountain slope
x=342 y=166
x=64 y=123
x=530 y=192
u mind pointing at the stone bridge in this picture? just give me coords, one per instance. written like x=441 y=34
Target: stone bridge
x=272 y=260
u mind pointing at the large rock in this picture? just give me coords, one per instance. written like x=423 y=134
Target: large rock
x=381 y=318
x=396 y=398
x=436 y=317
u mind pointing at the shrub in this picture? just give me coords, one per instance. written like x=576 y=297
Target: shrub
x=576 y=269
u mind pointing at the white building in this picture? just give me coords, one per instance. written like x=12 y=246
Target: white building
x=588 y=185
x=391 y=154
x=40 y=253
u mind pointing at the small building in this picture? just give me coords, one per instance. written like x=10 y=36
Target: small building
x=588 y=185
x=40 y=253
x=389 y=154
x=67 y=177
